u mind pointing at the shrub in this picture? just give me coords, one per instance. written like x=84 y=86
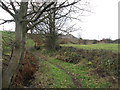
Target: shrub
x=103 y=61
x=68 y=54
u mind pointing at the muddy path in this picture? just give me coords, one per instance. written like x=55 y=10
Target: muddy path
x=73 y=77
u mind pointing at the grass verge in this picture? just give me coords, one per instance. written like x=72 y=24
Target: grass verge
x=82 y=73
x=50 y=76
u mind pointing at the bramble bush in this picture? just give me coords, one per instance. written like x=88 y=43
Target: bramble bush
x=103 y=61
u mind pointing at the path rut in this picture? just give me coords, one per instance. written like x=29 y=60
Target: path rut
x=75 y=80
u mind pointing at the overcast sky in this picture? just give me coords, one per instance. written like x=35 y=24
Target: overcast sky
x=103 y=23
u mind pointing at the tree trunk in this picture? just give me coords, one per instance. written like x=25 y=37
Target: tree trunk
x=18 y=52
x=52 y=36
x=16 y=57
x=51 y=41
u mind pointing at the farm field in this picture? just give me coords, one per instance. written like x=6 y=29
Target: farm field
x=112 y=47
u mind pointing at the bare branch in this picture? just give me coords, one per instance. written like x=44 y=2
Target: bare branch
x=43 y=10
x=11 y=3
x=26 y=20
x=63 y=15
x=6 y=9
x=6 y=21
x=35 y=24
x=17 y=3
x=63 y=6
x=35 y=12
x=82 y=9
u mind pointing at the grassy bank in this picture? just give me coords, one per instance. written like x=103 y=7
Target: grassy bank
x=82 y=73
x=52 y=76
x=94 y=69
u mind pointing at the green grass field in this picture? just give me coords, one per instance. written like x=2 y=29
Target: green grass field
x=59 y=77
x=112 y=47
x=30 y=43
x=8 y=37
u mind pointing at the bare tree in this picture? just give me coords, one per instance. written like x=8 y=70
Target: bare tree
x=26 y=17
x=56 y=21
x=21 y=23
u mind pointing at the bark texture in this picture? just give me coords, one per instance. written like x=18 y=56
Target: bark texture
x=52 y=35
x=19 y=46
